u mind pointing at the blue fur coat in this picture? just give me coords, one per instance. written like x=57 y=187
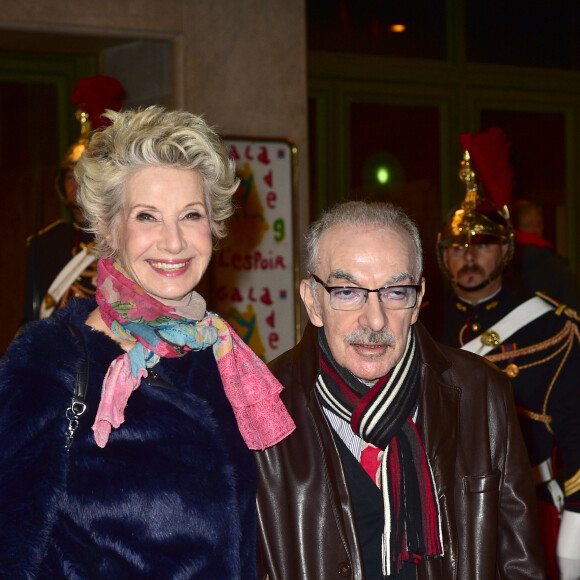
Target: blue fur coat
x=172 y=495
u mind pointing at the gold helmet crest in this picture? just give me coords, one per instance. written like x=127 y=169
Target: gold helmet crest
x=483 y=215
x=92 y=97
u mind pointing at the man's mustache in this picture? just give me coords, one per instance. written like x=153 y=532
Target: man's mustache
x=368 y=336
x=472 y=269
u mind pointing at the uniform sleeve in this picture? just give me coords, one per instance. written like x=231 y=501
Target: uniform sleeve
x=564 y=406
x=520 y=553
x=35 y=389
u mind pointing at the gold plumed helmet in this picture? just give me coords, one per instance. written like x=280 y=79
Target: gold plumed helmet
x=74 y=152
x=92 y=97
x=483 y=216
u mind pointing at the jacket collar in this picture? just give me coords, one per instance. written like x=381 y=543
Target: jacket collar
x=429 y=351
x=438 y=401
x=307 y=358
x=438 y=405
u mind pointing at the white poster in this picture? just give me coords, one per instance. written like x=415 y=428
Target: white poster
x=255 y=273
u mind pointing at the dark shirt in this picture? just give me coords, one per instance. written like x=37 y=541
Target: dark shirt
x=367 y=502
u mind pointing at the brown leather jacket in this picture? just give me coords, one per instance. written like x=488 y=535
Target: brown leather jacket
x=468 y=424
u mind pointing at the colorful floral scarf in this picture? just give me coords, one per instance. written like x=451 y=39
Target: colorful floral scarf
x=159 y=330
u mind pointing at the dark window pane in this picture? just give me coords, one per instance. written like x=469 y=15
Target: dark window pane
x=313 y=165
x=28 y=201
x=542 y=33
x=395 y=157
x=363 y=26
x=538 y=158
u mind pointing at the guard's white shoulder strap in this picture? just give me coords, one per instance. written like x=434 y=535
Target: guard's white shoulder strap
x=65 y=278
x=510 y=324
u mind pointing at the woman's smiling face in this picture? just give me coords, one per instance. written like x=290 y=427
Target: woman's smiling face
x=163 y=236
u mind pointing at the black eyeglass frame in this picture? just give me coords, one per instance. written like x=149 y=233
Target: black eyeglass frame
x=329 y=289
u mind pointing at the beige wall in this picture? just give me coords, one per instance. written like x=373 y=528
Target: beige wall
x=241 y=63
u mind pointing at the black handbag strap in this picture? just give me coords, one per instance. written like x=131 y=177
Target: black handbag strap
x=78 y=404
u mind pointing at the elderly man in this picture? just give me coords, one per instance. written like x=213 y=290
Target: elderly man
x=407 y=460
x=535 y=342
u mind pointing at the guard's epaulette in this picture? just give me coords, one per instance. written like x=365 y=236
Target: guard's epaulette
x=43 y=231
x=560 y=308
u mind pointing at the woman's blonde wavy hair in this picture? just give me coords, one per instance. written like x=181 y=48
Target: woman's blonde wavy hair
x=149 y=137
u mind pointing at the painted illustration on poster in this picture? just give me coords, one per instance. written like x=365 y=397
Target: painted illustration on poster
x=254 y=277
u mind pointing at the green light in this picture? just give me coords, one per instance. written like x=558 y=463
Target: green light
x=382 y=175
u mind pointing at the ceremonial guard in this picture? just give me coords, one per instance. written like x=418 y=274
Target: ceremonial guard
x=60 y=263
x=535 y=342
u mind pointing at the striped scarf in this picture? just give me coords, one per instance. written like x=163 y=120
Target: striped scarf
x=381 y=416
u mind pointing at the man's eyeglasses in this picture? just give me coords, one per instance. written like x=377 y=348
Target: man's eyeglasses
x=353 y=298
